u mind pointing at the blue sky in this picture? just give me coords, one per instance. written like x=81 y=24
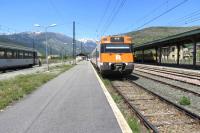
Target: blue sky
x=20 y=15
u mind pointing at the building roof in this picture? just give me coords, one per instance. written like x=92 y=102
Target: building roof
x=186 y=37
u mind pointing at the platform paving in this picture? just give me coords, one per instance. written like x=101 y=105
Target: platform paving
x=71 y=103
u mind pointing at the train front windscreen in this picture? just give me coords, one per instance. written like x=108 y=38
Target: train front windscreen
x=115 y=48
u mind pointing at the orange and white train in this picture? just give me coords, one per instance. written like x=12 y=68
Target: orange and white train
x=114 y=55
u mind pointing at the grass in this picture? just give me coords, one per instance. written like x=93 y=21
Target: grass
x=134 y=125
x=14 y=89
x=126 y=111
x=184 y=101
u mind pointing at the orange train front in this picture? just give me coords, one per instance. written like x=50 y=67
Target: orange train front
x=113 y=55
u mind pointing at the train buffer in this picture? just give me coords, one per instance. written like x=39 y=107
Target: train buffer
x=74 y=102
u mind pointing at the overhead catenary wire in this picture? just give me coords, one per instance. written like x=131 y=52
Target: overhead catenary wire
x=56 y=10
x=104 y=14
x=185 y=18
x=114 y=16
x=148 y=14
x=111 y=14
x=192 y=21
x=162 y=14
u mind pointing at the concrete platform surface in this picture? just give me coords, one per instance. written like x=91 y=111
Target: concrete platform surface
x=71 y=103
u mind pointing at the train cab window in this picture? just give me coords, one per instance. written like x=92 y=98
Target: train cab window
x=116 y=48
x=103 y=48
x=2 y=53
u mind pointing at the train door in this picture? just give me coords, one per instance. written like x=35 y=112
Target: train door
x=34 y=58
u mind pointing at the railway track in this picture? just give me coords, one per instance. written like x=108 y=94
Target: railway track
x=162 y=81
x=171 y=75
x=157 y=113
x=172 y=72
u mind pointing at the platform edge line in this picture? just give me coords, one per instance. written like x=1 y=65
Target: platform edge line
x=118 y=115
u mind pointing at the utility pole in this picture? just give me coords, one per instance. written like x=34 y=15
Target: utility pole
x=81 y=47
x=46 y=49
x=34 y=56
x=74 y=44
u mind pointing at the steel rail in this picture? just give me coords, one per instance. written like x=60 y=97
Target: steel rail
x=171 y=85
x=189 y=113
x=140 y=116
x=170 y=78
x=186 y=75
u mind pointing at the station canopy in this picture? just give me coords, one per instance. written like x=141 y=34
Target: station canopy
x=182 y=38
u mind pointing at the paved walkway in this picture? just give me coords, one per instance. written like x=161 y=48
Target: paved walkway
x=71 y=103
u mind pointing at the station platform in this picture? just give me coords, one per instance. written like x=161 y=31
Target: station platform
x=74 y=102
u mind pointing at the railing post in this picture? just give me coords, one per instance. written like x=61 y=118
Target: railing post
x=156 y=55
x=142 y=55
x=178 y=52
x=194 y=53
x=160 y=55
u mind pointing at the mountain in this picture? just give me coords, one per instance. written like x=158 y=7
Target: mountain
x=89 y=43
x=154 y=33
x=56 y=41
x=59 y=42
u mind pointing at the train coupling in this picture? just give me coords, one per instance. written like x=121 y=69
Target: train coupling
x=118 y=66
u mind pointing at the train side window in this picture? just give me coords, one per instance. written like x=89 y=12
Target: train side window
x=20 y=54
x=14 y=54
x=30 y=54
x=2 y=53
x=9 y=54
x=26 y=55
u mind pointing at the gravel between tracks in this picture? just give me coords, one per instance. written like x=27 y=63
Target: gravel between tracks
x=183 y=79
x=172 y=82
x=169 y=93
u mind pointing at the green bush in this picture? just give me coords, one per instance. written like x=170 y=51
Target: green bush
x=184 y=101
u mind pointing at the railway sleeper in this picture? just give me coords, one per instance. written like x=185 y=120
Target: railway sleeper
x=159 y=114
x=166 y=123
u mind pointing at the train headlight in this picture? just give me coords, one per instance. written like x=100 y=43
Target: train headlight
x=101 y=64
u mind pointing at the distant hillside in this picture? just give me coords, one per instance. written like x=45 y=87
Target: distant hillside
x=56 y=41
x=154 y=33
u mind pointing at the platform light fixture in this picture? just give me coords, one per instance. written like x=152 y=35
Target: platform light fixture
x=46 y=27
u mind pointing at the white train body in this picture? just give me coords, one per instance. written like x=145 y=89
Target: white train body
x=12 y=56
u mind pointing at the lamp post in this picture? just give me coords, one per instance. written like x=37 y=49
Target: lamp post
x=62 y=55
x=45 y=28
x=65 y=49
